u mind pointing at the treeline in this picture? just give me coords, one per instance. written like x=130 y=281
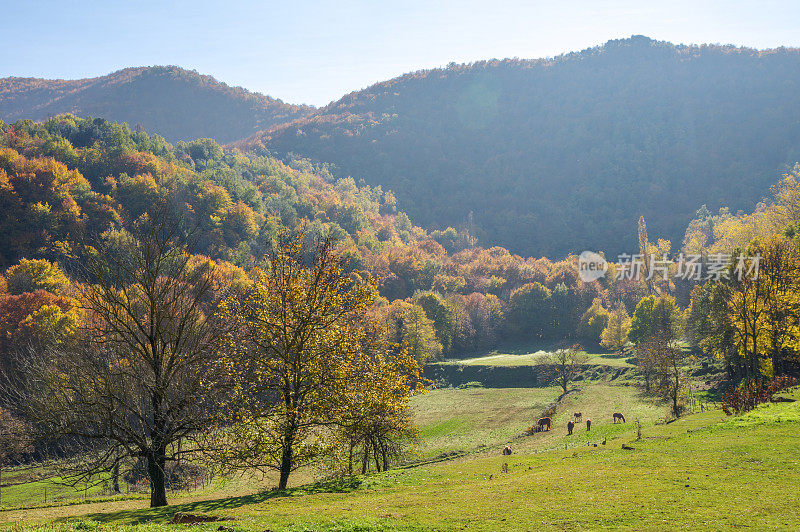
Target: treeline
x=543 y=157
x=752 y=322
x=743 y=310
x=158 y=301
x=555 y=156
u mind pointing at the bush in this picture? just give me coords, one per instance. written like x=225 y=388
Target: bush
x=550 y=411
x=749 y=394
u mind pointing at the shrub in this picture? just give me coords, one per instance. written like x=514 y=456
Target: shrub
x=751 y=393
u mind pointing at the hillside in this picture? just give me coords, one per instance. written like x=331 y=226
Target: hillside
x=67 y=179
x=704 y=470
x=559 y=155
x=170 y=101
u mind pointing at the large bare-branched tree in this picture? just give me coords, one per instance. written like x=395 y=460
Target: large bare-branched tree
x=143 y=381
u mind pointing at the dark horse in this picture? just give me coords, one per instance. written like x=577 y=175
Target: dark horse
x=570 y=426
x=545 y=421
x=507 y=450
x=578 y=416
x=617 y=416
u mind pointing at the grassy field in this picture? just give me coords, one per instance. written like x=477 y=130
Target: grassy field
x=532 y=354
x=532 y=359
x=469 y=419
x=472 y=419
x=704 y=471
x=25 y=487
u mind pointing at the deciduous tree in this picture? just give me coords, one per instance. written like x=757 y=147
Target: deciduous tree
x=144 y=379
x=563 y=365
x=406 y=323
x=615 y=334
x=299 y=333
x=654 y=316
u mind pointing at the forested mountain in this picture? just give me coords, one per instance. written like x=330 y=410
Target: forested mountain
x=558 y=155
x=550 y=156
x=170 y=101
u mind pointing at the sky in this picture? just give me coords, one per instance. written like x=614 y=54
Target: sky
x=314 y=52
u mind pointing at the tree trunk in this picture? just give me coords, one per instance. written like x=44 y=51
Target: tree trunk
x=385 y=456
x=676 y=390
x=755 y=370
x=155 y=470
x=729 y=366
x=350 y=460
x=115 y=478
x=376 y=456
x=740 y=365
x=286 y=459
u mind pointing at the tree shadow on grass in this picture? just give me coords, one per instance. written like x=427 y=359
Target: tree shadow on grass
x=165 y=513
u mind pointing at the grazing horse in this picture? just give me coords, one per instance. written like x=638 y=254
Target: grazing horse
x=617 y=416
x=578 y=416
x=588 y=425
x=545 y=421
x=507 y=450
x=570 y=426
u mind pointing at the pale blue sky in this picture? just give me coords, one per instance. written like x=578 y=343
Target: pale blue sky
x=314 y=51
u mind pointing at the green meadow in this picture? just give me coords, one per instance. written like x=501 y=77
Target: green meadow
x=703 y=471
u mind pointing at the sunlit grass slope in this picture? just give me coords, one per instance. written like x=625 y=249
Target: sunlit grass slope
x=705 y=471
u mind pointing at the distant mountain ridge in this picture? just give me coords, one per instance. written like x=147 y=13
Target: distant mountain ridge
x=176 y=103
x=544 y=156
x=557 y=155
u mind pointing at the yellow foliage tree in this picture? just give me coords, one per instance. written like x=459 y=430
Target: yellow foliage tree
x=407 y=324
x=780 y=266
x=765 y=307
x=374 y=421
x=615 y=335
x=302 y=337
x=30 y=275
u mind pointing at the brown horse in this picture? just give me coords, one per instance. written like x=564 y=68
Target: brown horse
x=570 y=426
x=507 y=450
x=617 y=416
x=544 y=422
x=578 y=416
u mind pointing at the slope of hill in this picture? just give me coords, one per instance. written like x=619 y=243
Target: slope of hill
x=702 y=470
x=558 y=155
x=175 y=103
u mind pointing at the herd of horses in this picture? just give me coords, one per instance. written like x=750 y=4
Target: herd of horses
x=547 y=422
